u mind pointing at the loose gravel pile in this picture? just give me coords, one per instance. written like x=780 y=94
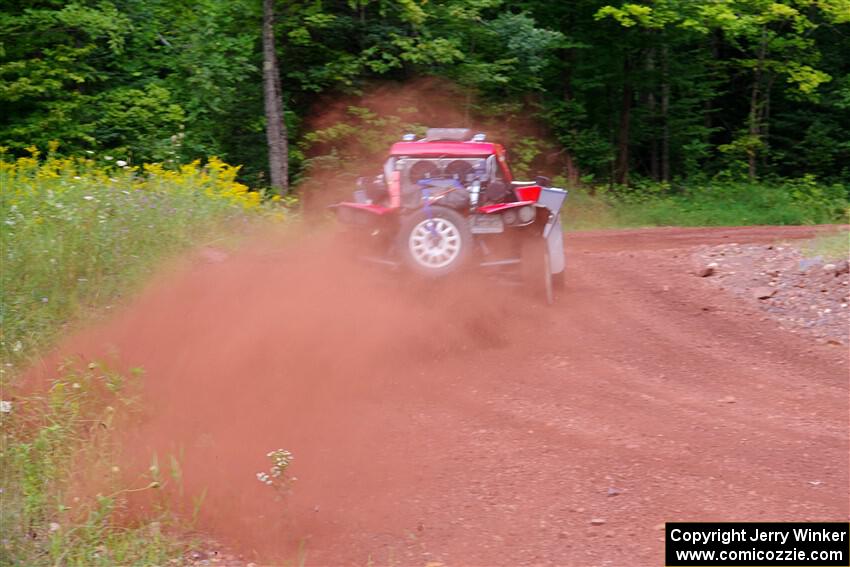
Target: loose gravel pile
x=805 y=294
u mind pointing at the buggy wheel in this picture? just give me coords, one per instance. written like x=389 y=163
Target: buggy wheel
x=434 y=244
x=536 y=269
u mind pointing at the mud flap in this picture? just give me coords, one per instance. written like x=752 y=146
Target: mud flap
x=554 y=235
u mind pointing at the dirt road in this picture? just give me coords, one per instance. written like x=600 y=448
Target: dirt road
x=468 y=426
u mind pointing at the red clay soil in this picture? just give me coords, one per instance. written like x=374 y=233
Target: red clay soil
x=466 y=424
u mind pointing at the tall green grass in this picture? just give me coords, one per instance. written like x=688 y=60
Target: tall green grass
x=78 y=232
x=787 y=202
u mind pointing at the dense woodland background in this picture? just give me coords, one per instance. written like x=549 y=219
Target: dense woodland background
x=600 y=93
x=119 y=119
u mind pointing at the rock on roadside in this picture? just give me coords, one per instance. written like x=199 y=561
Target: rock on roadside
x=806 y=295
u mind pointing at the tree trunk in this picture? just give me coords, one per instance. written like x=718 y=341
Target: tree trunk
x=573 y=171
x=621 y=169
x=714 y=46
x=756 y=108
x=753 y=130
x=649 y=101
x=764 y=119
x=665 y=114
x=276 y=135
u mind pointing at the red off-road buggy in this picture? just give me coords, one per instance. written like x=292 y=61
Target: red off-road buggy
x=448 y=202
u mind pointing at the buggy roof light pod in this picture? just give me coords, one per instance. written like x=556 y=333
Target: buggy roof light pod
x=409 y=137
x=447 y=134
x=479 y=137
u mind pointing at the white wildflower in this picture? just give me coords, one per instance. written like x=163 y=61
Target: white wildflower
x=18 y=347
x=77 y=177
x=54 y=527
x=120 y=163
x=88 y=197
x=5 y=406
x=107 y=158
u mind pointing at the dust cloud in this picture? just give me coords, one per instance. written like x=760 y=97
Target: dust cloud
x=291 y=343
x=288 y=343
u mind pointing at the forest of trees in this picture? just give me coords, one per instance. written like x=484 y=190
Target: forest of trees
x=596 y=91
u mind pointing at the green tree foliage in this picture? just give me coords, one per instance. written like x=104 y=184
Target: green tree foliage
x=766 y=40
x=600 y=91
x=51 y=55
x=152 y=80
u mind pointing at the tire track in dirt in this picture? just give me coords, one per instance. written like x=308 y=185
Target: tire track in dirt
x=466 y=424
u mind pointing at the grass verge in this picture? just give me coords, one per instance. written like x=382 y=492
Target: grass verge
x=55 y=448
x=76 y=232
x=786 y=202
x=828 y=246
